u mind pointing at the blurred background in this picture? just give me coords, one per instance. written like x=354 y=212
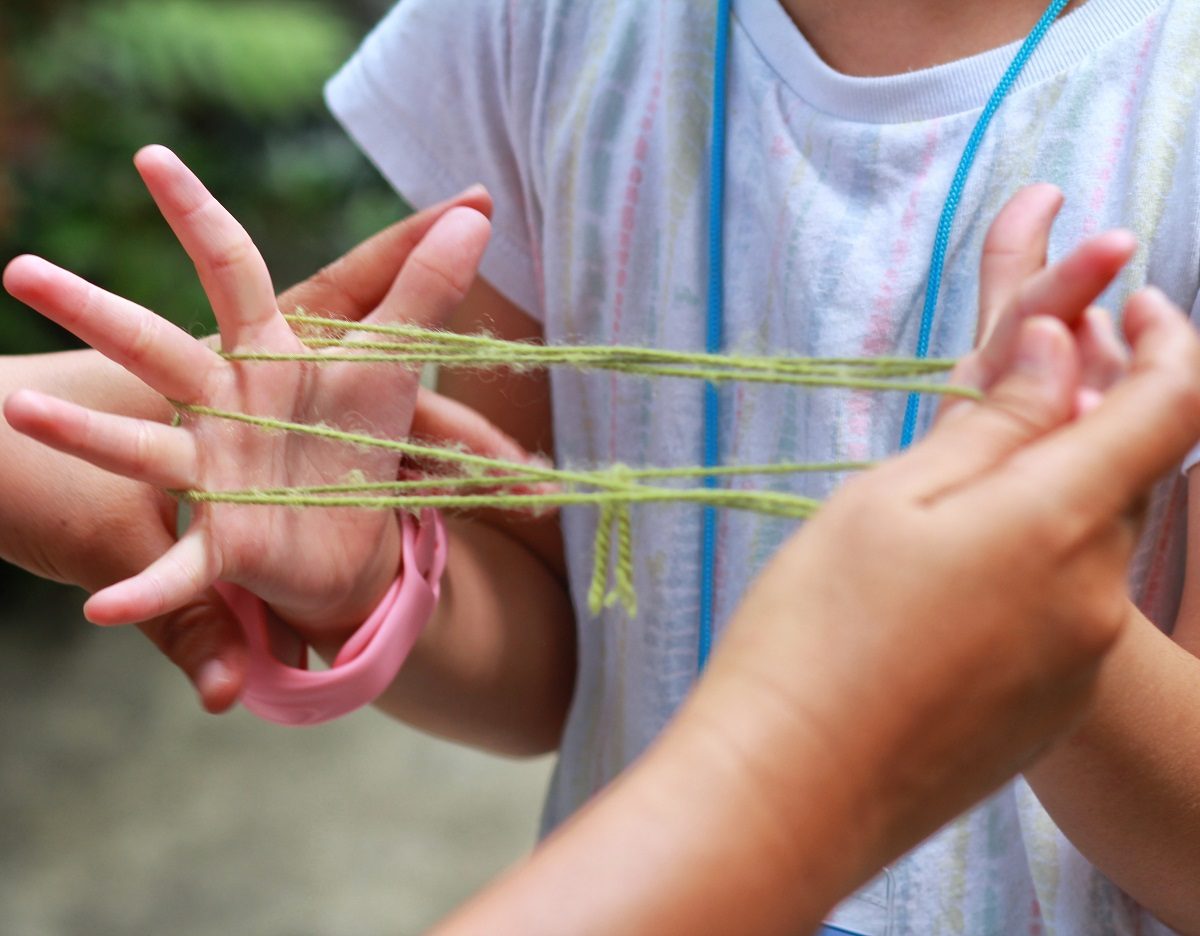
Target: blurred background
x=124 y=808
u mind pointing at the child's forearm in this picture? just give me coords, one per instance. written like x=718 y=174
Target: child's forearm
x=495 y=666
x=1123 y=787
x=685 y=843
x=499 y=657
x=63 y=519
x=495 y=672
x=60 y=517
x=770 y=796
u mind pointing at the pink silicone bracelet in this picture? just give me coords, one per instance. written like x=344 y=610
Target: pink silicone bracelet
x=369 y=660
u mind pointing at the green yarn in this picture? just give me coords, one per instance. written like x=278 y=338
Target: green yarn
x=601 y=549
x=614 y=485
x=447 y=349
x=483 y=482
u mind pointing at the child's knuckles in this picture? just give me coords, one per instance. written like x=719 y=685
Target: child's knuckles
x=143 y=339
x=862 y=493
x=233 y=255
x=439 y=280
x=142 y=454
x=326 y=289
x=1049 y=521
x=1025 y=406
x=1091 y=629
x=1002 y=423
x=1086 y=601
x=1171 y=404
x=192 y=635
x=868 y=518
x=1057 y=531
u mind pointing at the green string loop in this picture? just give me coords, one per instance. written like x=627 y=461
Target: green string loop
x=466 y=481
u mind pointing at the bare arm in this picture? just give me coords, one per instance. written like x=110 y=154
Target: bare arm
x=58 y=514
x=63 y=519
x=496 y=666
x=1123 y=787
x=769 y=798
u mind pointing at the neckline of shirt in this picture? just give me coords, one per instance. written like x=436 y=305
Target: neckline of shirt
x=956 y=87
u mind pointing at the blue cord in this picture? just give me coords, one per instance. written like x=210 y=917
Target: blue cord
x=716 y=224
x=942 y=242
x=715 y=339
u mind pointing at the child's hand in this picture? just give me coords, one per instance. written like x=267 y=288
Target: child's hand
x=314 y=566
x=1016 y=284
x=959 y=598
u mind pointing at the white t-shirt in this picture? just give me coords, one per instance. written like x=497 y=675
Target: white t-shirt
x=589 y=121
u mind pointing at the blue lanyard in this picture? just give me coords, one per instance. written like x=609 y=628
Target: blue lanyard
x=714 y=340
x=716 y=278
x=950 y=209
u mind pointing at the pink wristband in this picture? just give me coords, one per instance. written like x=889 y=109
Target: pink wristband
x=370 y=659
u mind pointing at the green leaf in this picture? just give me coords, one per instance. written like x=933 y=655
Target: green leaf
x=258 y=58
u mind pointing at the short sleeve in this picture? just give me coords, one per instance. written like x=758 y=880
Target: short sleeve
x=429 y=99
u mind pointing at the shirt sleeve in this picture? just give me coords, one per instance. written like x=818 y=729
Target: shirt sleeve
x=429 y=98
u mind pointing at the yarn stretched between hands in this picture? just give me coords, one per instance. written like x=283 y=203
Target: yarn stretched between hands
x=498 y=483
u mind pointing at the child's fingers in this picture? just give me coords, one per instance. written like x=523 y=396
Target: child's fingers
x=970 y=373
x=1105 y=358
x=1101 y=465
x=356 y=283
x=1064 y=290
x=136 y=448
x=446 y=420
x=149 y=347
x=1014 y=249
x=178 y=576
x=231 y=269
x=1034 y=395
x=204 y=640
x=438 y=272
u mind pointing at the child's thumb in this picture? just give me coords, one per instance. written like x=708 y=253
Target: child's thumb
x=203 y=639
x=437 y=274
x=1032 y=396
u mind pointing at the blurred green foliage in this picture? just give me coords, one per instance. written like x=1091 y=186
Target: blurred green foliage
x=233 y=86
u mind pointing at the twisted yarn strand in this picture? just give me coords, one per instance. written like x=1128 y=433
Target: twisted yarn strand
x=467 y=481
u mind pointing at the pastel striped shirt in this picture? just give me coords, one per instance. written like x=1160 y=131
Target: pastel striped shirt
x=589 y=122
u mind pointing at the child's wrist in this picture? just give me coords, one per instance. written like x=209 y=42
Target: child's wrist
x=280 y=688
x=326 y=629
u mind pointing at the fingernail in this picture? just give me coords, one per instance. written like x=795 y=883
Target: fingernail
x=1157 y=295
x=213 y=678
x=1123 y=238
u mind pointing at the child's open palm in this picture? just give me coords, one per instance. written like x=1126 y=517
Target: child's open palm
x=316 y=566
